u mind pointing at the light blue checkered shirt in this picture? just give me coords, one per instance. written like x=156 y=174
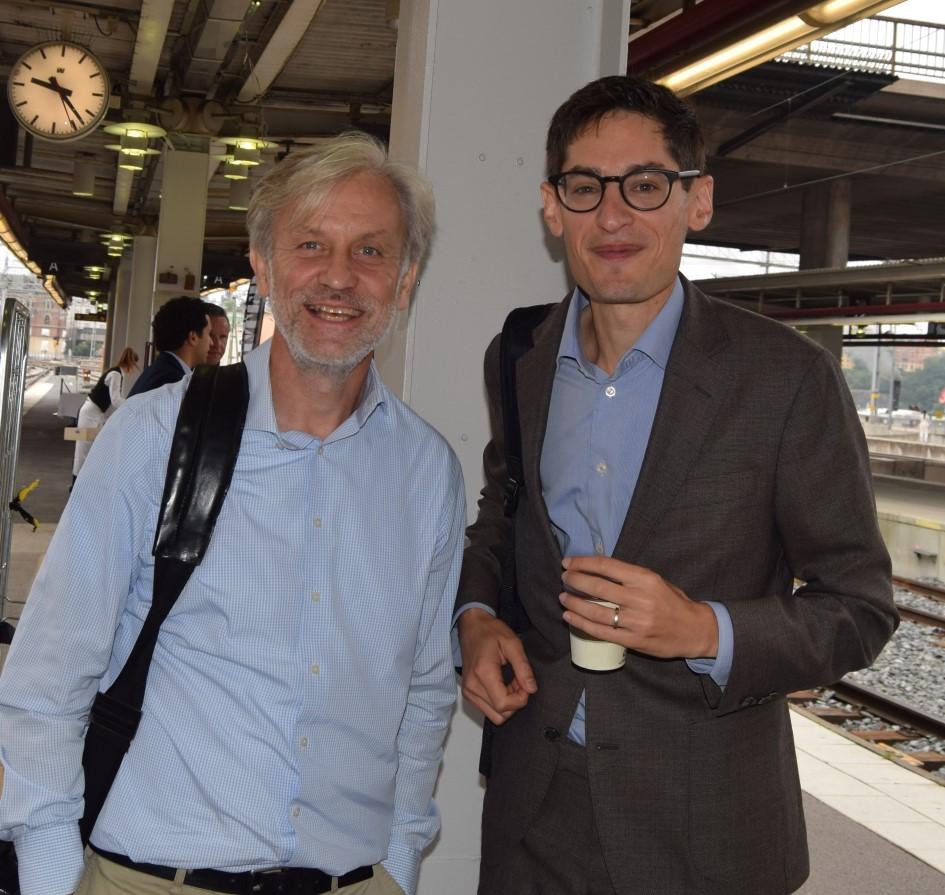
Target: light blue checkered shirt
x=598 y=429
x=302 y=685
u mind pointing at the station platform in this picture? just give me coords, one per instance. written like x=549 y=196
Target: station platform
x=874 y=828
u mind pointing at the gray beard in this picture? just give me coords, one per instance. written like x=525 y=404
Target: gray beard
x=336 y=368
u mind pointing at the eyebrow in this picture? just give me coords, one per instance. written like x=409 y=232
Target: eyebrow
x=591 y=169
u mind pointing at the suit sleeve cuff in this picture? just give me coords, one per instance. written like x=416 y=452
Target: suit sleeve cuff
x=720 y=667
x=51 y=860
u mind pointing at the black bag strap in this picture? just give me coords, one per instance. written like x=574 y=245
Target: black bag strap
x=203 y=455
x=517 y=338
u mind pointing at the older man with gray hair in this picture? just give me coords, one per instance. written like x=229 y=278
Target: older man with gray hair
x=301 y=686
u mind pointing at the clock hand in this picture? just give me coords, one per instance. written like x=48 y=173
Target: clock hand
x=68 y=104
x=51 y=84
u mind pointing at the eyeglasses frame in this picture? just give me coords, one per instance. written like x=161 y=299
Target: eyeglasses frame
x=671 y=176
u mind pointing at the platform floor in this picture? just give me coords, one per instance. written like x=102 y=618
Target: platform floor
x=874 y=827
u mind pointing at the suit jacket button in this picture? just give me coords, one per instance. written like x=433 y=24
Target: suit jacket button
x=552 y=734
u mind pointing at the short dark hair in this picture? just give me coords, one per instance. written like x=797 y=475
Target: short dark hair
x=214 y=310
x=176 y=320
x=619 y=93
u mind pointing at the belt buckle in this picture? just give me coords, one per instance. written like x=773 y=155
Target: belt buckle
x=280 y=881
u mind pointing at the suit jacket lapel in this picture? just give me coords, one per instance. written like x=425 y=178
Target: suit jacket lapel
x=693 y=389
x=535 y=375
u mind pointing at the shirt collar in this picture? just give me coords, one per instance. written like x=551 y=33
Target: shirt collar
x=656 y=341
x=262 y=415
x=182 y=363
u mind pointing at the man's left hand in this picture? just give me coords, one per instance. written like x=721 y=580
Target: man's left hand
x=654 y=616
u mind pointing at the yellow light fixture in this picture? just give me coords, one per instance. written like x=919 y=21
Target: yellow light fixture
x=246 y=155
x=133 y=143
x=131 y=162
x=83 y=177
x=239 y=195
x=234 y=172
x=777 y=39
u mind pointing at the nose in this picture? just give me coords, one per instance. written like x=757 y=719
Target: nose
x=613 y=212
x=337 y=272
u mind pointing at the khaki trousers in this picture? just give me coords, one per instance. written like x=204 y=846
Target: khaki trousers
x=103 y=877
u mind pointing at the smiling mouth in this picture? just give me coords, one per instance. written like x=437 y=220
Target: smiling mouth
x=333 y=312
x=616 y=252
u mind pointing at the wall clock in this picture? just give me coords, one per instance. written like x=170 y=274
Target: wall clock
x=58 y=90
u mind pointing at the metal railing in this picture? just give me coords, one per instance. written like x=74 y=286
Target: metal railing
x=14 y=344
x=890 y=46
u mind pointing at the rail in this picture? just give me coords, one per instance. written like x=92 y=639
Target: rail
x=14 y=342
x=885 y=45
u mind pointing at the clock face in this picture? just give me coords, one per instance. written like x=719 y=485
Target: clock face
x=58 y=91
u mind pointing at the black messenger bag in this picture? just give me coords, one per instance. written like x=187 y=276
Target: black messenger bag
x=203 y=454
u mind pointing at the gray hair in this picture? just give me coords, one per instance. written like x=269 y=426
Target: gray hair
x=307 y=177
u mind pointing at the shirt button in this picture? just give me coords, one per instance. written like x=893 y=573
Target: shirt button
x=610 y=391
x=296 y=811
x=316 y=596
x=598 y=548
x=315 y=668
x=321 y=451
x=304 y=742
x=318 y=521
x=601 y=468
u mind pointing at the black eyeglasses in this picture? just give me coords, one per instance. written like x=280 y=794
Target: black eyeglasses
x=644 y=189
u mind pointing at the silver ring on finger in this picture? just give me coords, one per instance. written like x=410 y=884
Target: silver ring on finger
x=617 y=617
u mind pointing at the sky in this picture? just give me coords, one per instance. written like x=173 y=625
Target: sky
x=918 y=11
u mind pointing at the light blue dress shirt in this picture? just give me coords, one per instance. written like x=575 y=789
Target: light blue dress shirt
x=596 y=437
x=302 y=685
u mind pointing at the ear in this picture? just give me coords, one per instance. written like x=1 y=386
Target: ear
x=700 y=203
x=405 y=287
x=552 y=209
x=261 y=269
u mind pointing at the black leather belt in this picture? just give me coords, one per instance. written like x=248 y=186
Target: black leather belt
x=278 y=881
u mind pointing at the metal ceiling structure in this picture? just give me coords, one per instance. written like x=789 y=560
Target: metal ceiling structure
x=295 y=71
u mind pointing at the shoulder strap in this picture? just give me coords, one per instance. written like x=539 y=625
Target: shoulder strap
x=203 y=455
x=517 y=338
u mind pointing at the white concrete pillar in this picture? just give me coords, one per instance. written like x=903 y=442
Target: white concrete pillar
x=181 y=225
x=475 y=87
x=118 y=311
x=138 y=331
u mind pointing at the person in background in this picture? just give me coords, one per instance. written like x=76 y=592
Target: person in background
x=106 y=395
x=219 y=332
x=182 y=336
x=686 y=461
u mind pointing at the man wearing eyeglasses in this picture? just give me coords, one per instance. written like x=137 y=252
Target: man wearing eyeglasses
x=685 y=461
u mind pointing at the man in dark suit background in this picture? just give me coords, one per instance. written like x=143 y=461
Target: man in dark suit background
x=181 y=332
x=685 y=460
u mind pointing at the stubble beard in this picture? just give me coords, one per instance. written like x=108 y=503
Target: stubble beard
x=338 y=367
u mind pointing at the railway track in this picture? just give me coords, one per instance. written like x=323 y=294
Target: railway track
x=900 y=724
x=920 y=587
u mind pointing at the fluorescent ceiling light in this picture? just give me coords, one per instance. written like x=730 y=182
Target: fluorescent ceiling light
x=818 y=20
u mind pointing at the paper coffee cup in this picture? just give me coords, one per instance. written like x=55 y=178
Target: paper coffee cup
x=596 y=655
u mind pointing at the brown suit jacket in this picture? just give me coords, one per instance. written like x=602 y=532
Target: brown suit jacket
x=756 y=472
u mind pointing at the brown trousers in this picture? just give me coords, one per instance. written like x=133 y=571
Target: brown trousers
x=561 y=853
x=103 y=877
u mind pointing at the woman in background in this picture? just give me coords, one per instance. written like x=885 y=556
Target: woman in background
x=106 y=394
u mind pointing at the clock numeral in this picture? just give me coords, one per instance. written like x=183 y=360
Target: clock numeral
x=95 y=74
x=84 y=57
x=18 y=84
x=23 y=103
x=98 y=94
x=54 y=127
x=34 y=119
x=27 y=65
x=90 y=113
x=42 y=53
x=63 y=54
